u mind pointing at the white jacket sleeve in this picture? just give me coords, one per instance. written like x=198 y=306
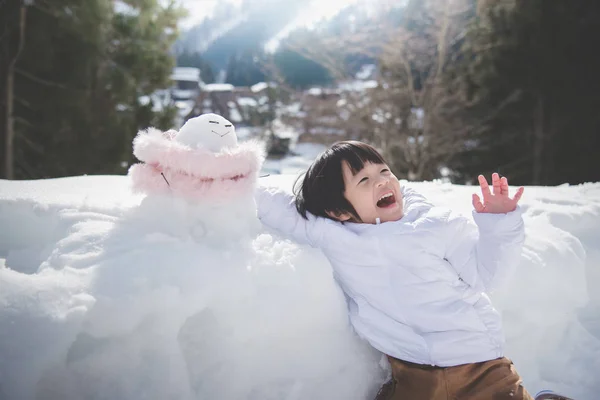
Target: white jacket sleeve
x=276 y=209
x=486 y=253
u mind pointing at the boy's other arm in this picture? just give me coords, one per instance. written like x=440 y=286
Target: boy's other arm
x=486 y=253
x=277 y=210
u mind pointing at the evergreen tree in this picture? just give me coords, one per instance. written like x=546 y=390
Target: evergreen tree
x=245 y=69
x=12 y=31
x=533 y=78
x=298 y=71
x=78 y=83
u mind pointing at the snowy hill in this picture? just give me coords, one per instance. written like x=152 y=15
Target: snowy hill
x=104 y=294
x=233 y=30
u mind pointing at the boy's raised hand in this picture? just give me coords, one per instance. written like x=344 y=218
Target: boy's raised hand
x=496 y=202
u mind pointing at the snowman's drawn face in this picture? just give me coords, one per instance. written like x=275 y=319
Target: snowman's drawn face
x=210 y=131
x=220 y=128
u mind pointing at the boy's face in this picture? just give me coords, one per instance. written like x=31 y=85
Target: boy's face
x=374 y=192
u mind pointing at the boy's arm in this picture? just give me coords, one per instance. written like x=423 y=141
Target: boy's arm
x=485 y=253
x=277 y=210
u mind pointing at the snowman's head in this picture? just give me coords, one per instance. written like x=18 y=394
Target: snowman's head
x=203 y=161
x=209 y=131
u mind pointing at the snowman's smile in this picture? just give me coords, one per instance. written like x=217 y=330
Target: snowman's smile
x=217 y=133
x=221 y=135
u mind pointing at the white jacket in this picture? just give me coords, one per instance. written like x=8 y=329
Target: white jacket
x=415 y=287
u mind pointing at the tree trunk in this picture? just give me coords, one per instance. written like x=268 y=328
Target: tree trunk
x=538 y=141
x=4 y=60
x=9 y=126
x=3 y=107
x=12 y=38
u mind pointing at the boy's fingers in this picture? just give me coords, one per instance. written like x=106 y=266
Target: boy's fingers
x=485 y=188
x=496 y=183
x=519 y=194
x=504 y=186
x=477 y=203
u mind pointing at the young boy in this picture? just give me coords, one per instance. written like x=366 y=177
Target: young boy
x=415 y=276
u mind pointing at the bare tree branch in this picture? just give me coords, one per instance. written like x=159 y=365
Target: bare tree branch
x=41 y=80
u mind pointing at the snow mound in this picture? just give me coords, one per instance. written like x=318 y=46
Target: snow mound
x=173 y=300
x=104 y=294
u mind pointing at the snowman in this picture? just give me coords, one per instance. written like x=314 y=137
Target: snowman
x=194 y=300
x=201 y=174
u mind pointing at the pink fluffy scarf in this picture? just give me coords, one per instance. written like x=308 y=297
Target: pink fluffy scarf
x=172 y=167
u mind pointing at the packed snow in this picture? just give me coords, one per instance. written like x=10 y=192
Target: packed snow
x=107 y=294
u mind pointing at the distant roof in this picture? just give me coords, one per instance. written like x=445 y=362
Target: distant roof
x=185 y=74
x=247 y=102
x=218 y=87
x=260 y=86
x=358 y=85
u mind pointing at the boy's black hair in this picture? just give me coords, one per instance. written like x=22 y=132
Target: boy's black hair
x=321 y=190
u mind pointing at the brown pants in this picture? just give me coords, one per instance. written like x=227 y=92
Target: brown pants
x=489 y=380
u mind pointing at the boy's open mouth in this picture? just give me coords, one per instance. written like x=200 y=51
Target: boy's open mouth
x=386 y=200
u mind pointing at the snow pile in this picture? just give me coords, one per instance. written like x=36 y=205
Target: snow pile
x=158 y=297
x=106 y=294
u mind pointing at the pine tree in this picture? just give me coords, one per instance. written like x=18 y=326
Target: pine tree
x=78 y=83
x=533 y=79
x=298 y=71
x=12 y=31
x=245 y=69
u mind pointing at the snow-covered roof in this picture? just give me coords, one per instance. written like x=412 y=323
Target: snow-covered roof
x=357 y=85
x=294 y=109
x=185 y=74
x=247 y=102
x=218 y=87
x=260 y=86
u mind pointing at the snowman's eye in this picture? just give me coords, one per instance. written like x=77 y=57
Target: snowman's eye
x=227 y=126
x=213 y=122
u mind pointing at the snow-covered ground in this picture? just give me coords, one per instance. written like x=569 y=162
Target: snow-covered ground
x=106 y=295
